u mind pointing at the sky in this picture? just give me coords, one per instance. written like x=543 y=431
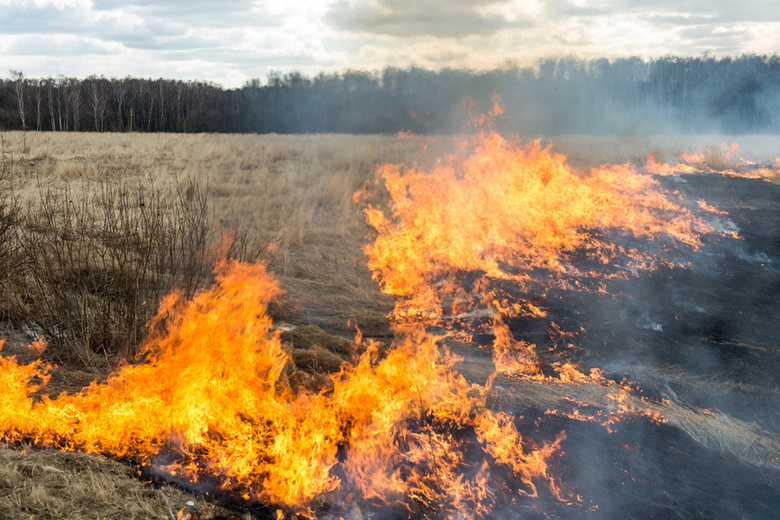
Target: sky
x=231 y=41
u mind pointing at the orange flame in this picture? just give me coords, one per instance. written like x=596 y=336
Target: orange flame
x=498 y=210
x=725 y=160
x=211 y=398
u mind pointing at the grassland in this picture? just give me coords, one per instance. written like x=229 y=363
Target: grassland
x=97 y=227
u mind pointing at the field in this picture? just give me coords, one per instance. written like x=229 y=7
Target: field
x=98 y=228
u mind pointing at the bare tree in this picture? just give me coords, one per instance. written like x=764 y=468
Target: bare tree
x=120 y=98
x=19 y=82
x=62 y=100
x=76 y=102
x=97 y=101
x=51 y=84
x=38 y=84
x=162 y=116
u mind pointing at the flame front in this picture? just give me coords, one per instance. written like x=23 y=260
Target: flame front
x=725 y=160
x=212 y=399
x=498 y=210
x=209 y=392
x=484 y=235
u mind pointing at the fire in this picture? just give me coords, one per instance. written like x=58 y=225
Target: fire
x=211 y=399
x=492 y=230
x=724 y=160
x=478 y=241
x=499 y=211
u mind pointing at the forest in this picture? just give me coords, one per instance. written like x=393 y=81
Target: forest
x=688 y=95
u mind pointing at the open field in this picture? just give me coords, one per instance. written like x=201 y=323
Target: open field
x=99 y=227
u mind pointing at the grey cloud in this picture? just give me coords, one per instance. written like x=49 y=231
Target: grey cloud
x=559 y=9
x=175 y=6
x=44 y=46
x=15 y=19
x=179 y=43
x=198 y=12
x=408 y=18
x=152 y=27
x=674 y=19
x=156 y=19
x=730 y=41
x=243 y=59
x=50 y=20
x=697 y=11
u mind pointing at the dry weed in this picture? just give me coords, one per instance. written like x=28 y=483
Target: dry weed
x=48 y=484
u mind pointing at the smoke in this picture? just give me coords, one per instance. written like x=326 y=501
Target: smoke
x=682 y=95
x=695 y=331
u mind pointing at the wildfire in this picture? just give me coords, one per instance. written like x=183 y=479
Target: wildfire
x=724 y=160
x=500 y=211
x=491 y=230
x=481 y=238
x=212 y=399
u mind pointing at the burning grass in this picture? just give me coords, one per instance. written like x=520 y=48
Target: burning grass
x=227 y=413
x=510 y=211
x=500 y=255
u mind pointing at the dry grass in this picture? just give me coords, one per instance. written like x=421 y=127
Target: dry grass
x=289 y=197
x=43 y=485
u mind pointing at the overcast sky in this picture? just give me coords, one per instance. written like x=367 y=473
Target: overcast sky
x=231 y=41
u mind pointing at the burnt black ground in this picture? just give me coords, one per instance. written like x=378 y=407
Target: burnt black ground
x=702 y=343
x=704 y=336
x=713 y=325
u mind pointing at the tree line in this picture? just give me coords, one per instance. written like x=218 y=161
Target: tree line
x=558 y=95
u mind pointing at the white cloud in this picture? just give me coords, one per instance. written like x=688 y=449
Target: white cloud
x=233 y=40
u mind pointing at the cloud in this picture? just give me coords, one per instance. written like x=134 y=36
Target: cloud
x=203 y=13
x=233 y=40
x=57 y=46
x=413 y=18
x=18 y=19
x=681 y=12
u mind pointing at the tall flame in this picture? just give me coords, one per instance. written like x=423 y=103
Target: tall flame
x=498 y=210
x=211 y=399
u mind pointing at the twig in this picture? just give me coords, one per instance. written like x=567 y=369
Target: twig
x=170 y=511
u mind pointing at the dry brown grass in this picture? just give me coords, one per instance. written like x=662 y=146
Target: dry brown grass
x=51 y=485
x=102 y=211
x=290 y=197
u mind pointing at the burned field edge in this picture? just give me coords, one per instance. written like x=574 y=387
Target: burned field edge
x=703 y=339
x=716 y=356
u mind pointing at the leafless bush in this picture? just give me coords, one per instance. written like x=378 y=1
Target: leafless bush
x=98 y=256
x=9 y=216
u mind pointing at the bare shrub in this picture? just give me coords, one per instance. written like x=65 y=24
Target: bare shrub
x=98 y=256
x=9 y=217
